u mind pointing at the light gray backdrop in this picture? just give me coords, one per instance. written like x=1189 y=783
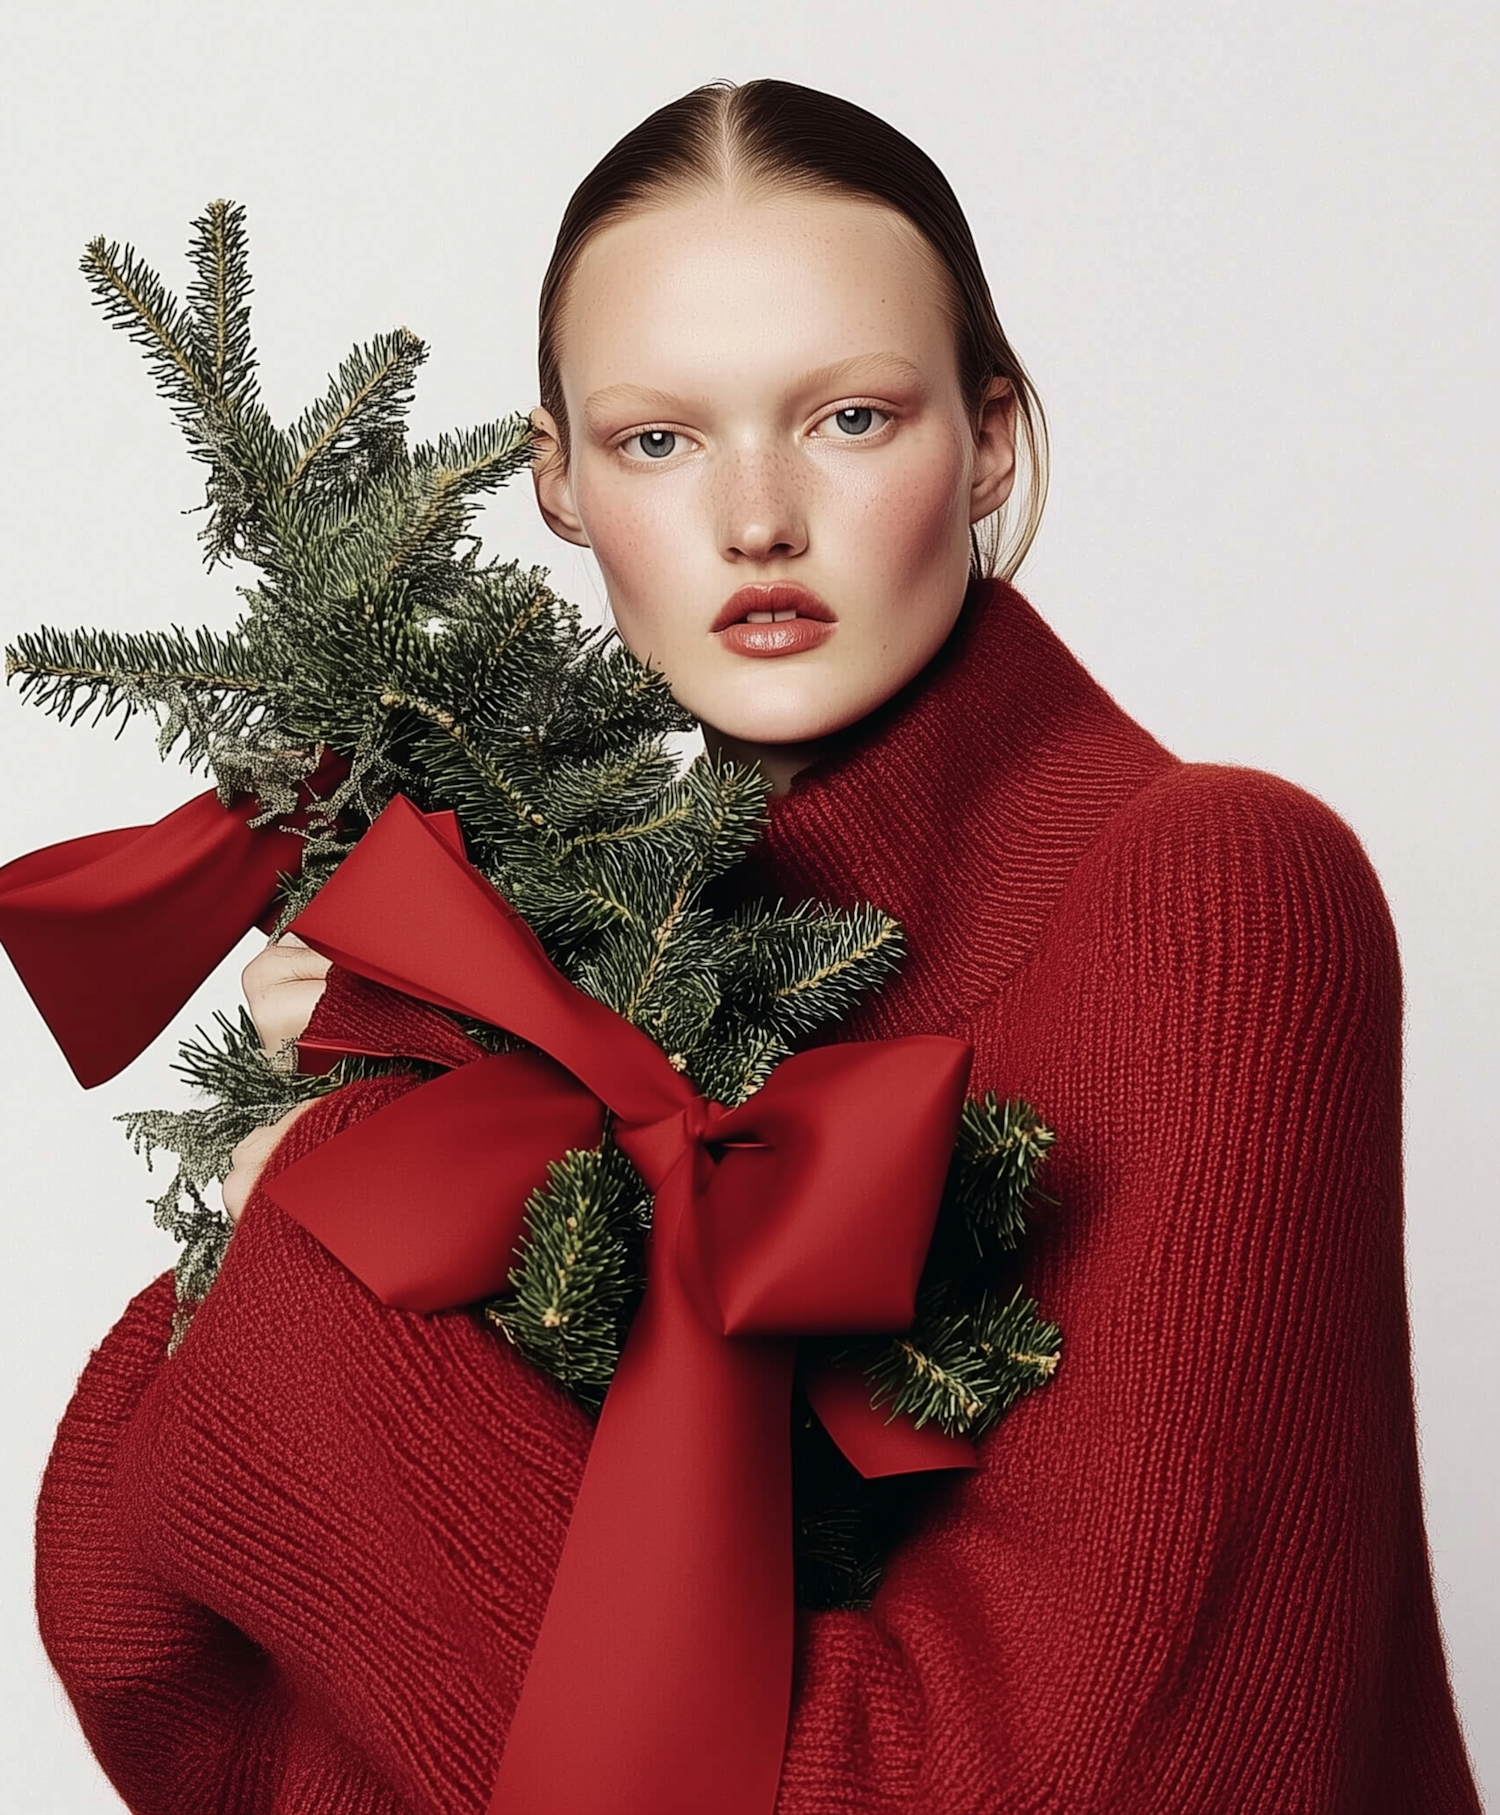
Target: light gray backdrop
x=1248 y=254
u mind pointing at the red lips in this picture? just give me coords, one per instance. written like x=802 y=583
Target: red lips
x=783 y=595
x=812 y=624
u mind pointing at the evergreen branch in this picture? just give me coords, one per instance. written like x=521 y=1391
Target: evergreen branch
x=964 y=1362
x=447 y=476
x=959 y=1403
x=661 y=937
x=233 y=1065
x=478 y=459
x=519 y=625
x=219 y=302
x=999 y=1151
x=218 y=296
x=363 y=410
x=252 y=1089
x=791 y=970
x=134 y=298
x=574 y=1276
x=737 y=1065
x=719 y=795
x=887 y=935
x=610 y=902
x=67 y=672
x=674 y=815
x=494 y=776
x=612 y=789
x=496 y=644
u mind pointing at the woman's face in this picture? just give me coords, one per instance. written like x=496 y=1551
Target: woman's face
x=770 y=456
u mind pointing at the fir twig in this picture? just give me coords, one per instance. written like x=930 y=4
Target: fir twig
x=374 y=630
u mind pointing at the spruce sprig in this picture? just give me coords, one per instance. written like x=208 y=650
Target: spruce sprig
x=373 y=628
x=250 y=1089
x=578 y=1274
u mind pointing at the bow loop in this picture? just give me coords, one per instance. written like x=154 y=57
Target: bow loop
x=826 y=1163
x=113 y=932
x=405 y=910
x=425 y=1202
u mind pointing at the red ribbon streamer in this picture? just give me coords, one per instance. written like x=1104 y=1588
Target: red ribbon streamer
x=661 y=1680
x=113 y=932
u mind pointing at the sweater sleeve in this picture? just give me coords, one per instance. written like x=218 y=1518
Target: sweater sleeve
x=183 y=1711
x=141 y=1666
x=1190 y=1576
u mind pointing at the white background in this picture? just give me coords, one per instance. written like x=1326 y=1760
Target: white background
x=1249 y=257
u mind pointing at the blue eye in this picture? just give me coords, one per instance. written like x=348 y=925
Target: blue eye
x=856 y=419
x=657 y=444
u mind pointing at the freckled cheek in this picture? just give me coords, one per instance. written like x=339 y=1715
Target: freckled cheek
x=910 y=503
x=914 y=517
x=635 y=549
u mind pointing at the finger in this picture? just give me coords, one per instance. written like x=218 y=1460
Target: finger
x=279 y=962
x=283 y=1013
x=302 y=954
x=282 y=988
x=249 y=1156
x=248 y=1160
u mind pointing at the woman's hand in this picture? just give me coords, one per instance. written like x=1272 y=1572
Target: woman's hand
x=282 y=985
x=250 y=1156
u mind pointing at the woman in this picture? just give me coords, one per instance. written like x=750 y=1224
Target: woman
x=301 y=1567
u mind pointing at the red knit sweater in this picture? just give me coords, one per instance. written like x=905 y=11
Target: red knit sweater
x=298 y=1568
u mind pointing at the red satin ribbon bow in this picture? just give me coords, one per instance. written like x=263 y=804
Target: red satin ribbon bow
x=113 y=932
x=660 y=1683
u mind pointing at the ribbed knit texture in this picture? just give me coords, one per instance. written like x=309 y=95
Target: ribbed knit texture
x=298 y=1568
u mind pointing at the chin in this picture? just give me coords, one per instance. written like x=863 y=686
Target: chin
x=784 y=721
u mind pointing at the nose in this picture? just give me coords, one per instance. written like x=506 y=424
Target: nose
x=762 y=511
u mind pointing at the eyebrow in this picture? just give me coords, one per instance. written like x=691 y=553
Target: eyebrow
x=597 y=403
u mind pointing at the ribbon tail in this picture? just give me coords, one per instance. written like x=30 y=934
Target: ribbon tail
x=112 y=933
x=876 y=1443
x=661 y=1679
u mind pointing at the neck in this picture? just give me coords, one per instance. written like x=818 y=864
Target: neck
x=777 y=762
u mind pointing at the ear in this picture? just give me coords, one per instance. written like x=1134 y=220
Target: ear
x=994 y=450
x=554 y=486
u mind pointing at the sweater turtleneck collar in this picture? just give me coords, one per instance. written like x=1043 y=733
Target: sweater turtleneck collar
x=961 y=807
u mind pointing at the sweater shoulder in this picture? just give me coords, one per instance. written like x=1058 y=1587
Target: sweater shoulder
x=1229 y=828
x=111 y=1386
x=1228 y=800
x=1238 y=879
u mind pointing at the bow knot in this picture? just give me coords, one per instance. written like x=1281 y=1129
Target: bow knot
x=657 y=1148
